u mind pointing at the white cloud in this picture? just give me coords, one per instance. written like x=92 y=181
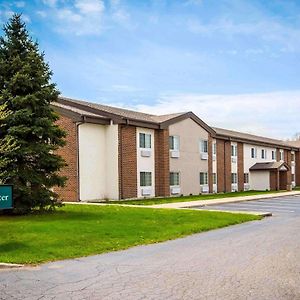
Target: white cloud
x=20 y=4
x=267 y=30
x=274 y=114
x=81 y=17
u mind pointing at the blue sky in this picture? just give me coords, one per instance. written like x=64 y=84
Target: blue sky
x=235 y=63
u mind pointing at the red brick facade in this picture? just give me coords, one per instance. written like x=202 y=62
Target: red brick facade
x=224 y=165
x=70 y=154
x=240 y=150
x=162 y=163
x=297 y=168
x=127 y=162
x=210 y=165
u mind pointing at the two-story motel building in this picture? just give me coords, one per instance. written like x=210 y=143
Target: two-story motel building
x=114 y=153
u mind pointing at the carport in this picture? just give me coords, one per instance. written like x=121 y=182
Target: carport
x=270 y=176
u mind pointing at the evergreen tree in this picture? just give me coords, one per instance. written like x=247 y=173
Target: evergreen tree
x=26 y=88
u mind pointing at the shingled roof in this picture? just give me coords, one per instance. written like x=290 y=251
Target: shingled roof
x=249 y=137
x=275 y=165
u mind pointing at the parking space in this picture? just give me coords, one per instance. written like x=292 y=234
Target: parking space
x=282 y=205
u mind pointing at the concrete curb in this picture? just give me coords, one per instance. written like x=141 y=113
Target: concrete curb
x=10 y=266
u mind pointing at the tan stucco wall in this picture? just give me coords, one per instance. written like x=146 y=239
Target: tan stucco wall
x=189 y=164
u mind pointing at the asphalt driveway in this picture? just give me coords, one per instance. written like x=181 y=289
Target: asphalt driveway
x=256 y=260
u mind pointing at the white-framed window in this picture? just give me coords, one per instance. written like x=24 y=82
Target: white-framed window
x=273 y=155
x=292 y=156
x=214 y=178
x=203 y=146
x=263 y=153
x=203 y=178
x=281 y=154
x=174 y=178
x=174 y=142
x=145 y=140
x=145 y=179
x=233 y=178
x=234 y=150
x=293 y=178
x=253 y=152
x=214 y=145
x=246 y=178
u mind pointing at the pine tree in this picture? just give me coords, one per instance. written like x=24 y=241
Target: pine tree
x=26 y=88
x=7 y=144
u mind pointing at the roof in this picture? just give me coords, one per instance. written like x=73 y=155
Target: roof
x=250 y=137
x=126 y=116
x=94 y=112
x=275 y=165
x=121 y=112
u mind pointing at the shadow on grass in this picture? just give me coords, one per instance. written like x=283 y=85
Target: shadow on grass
x=12 y=246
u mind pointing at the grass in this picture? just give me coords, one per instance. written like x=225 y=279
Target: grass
x=152 y=201
x=81 y=230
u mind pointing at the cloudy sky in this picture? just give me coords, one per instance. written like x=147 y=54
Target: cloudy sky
x=235 y=63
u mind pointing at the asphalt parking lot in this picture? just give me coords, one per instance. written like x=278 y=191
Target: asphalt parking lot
x=281 y=205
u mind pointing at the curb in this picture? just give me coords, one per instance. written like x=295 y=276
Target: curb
x=10 y=266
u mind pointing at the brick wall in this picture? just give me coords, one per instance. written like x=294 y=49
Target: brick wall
x=297 y=168
x=162 y=163
x=240 y=147
x=210 y=165
x=127 y=162
x=69 y=153
x=224 y=165
x=221 y=165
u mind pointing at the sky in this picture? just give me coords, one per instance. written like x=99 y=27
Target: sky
x=235 y=63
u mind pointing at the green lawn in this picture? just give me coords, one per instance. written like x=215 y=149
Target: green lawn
x=81 y=230
x=151 y=201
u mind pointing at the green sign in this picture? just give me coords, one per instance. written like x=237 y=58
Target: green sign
x=6 y=196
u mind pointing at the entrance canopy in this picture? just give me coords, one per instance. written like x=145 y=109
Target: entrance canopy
x=270 y=166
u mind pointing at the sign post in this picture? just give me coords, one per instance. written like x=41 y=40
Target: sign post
x=6 y=196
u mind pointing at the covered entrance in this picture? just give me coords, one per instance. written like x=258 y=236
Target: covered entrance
x=270 y=176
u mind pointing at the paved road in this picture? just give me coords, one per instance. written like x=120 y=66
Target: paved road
x=276 y=206
x=256 y=260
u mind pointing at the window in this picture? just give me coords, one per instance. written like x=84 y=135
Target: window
x=214 y=176
x=293 y=178
x=145 y=179
x=234 y=150
x=263 y=153
x=233 y=178
x=203 y=178
x=253 y=152
x=292 y=156
x=145 y=140
x=204 y=146
x=174 y=178
x=281 y=154
x=214 y=148
x=174 y=142
x=273 y=155
x=246 y=178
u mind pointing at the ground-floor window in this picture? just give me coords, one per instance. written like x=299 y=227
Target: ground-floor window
x=145 y=179
x=174 y=178
x=214 y=176
x=293 y=178
x=203 y=178
x=233 y=178
x=246 y=178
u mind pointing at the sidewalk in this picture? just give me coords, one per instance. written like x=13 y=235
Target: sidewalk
x=190 y=204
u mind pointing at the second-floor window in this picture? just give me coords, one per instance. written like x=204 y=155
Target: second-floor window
x=234 y=150
x=273 y=155
x=263 y=153
x=214 y=148
x=145 y=140
x=204 y=146
x=281 y=154
x=174 y=142
x=253 y=152
x=292 y=156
